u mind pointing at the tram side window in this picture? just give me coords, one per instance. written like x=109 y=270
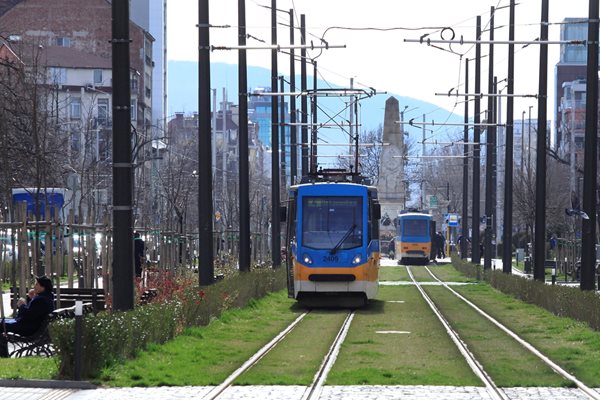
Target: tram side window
x=293 y=218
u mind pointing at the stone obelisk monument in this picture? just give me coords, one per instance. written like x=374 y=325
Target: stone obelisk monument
x=391 y=186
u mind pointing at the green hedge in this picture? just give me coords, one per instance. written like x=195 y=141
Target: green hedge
x=563 y=301
x=110 y=337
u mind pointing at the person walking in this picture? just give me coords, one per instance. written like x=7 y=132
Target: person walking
x=439 y=245
x=138 y=253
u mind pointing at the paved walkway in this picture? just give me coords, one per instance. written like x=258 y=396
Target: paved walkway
x=291 y=393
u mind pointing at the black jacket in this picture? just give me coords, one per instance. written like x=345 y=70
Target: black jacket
x=33 y=314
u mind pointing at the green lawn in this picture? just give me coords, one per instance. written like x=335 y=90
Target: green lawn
x=28 y=368
x=297 y=358
x=503 y=358
x=424 y=356
x=207 y=355
x=448 y=273
x=395 y=273
x=571 y=344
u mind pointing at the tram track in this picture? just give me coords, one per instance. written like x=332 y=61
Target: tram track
x=313 y=391
x=493 y=390
x=218 y=390
x=587 y=391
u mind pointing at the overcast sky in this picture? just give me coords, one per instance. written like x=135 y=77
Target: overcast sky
x=381 y=59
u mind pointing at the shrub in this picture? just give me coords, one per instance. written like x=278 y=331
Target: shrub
x=562 y=301
x=109 y=337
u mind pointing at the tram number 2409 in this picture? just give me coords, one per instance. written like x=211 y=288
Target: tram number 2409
x=330 y=258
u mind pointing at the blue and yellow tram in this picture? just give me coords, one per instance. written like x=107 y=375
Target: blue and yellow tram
x=413 y=240
x=332 y=242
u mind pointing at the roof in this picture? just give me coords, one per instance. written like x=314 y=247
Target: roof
x=68 y=57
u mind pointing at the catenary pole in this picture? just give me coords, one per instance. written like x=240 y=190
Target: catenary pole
x=205 y=211
x=475 y=252
x=244 y=168
x=122 y=276
x=494 y=188
x=508 y=150
x=303 y=99
x=293 y=130
x=490 y=133
x=313 y=108
x=539 y=241
x=465 y=196
x=282 y=128
x=590 y=186
x=275 y=222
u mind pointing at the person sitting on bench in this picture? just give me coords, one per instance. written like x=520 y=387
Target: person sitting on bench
x=30 y=315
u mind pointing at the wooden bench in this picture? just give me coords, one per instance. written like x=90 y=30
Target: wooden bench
x=66 y=297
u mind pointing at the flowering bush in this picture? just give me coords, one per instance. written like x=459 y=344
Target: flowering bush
x=109 y=337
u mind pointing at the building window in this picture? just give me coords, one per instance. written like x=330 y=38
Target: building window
x=103 y=112
x=97 y=76
x=58 y=76
x=133 y=110
x=134 y=82
x=75 y=106
x=63 y=41
x=75 y=142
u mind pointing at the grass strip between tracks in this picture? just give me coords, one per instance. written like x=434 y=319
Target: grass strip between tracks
x=571 y=344
x=447 y=273
x=503 y=358
x=207 y=355
x=424 y=356
x=395 y=273
x=297 y=358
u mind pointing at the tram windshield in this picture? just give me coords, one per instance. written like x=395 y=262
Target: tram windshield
x=415 y=227
x=327 y=220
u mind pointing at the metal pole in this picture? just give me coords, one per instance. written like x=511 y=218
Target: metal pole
x=491 y=132
x=539 y=241
x=244 y=168
x=313 y=139
x=351 y=124
x=78 y=340
x=494 y=150
x=423 y=198
x=465 y=194
x=275 y=228
x=476 y=254
x=523 y=144
x=588 y=228
x=282 y=128
x=303 y=99
x=293 y=131
x=205 y=211
x=122 y=167
x=508 y=149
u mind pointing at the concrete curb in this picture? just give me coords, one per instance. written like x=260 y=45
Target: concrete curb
x=47 y=384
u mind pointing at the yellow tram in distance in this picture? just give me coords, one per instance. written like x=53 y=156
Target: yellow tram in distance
x=413 y=238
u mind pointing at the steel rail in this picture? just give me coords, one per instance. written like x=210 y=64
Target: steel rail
x=314 y=390
x=493 y=390
x=555 y=367
x=218 y=390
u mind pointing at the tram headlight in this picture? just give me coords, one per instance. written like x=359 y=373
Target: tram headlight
x=306 y=258
x=357 y=259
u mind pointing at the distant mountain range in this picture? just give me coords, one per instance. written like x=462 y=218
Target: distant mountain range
x=183 y=95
